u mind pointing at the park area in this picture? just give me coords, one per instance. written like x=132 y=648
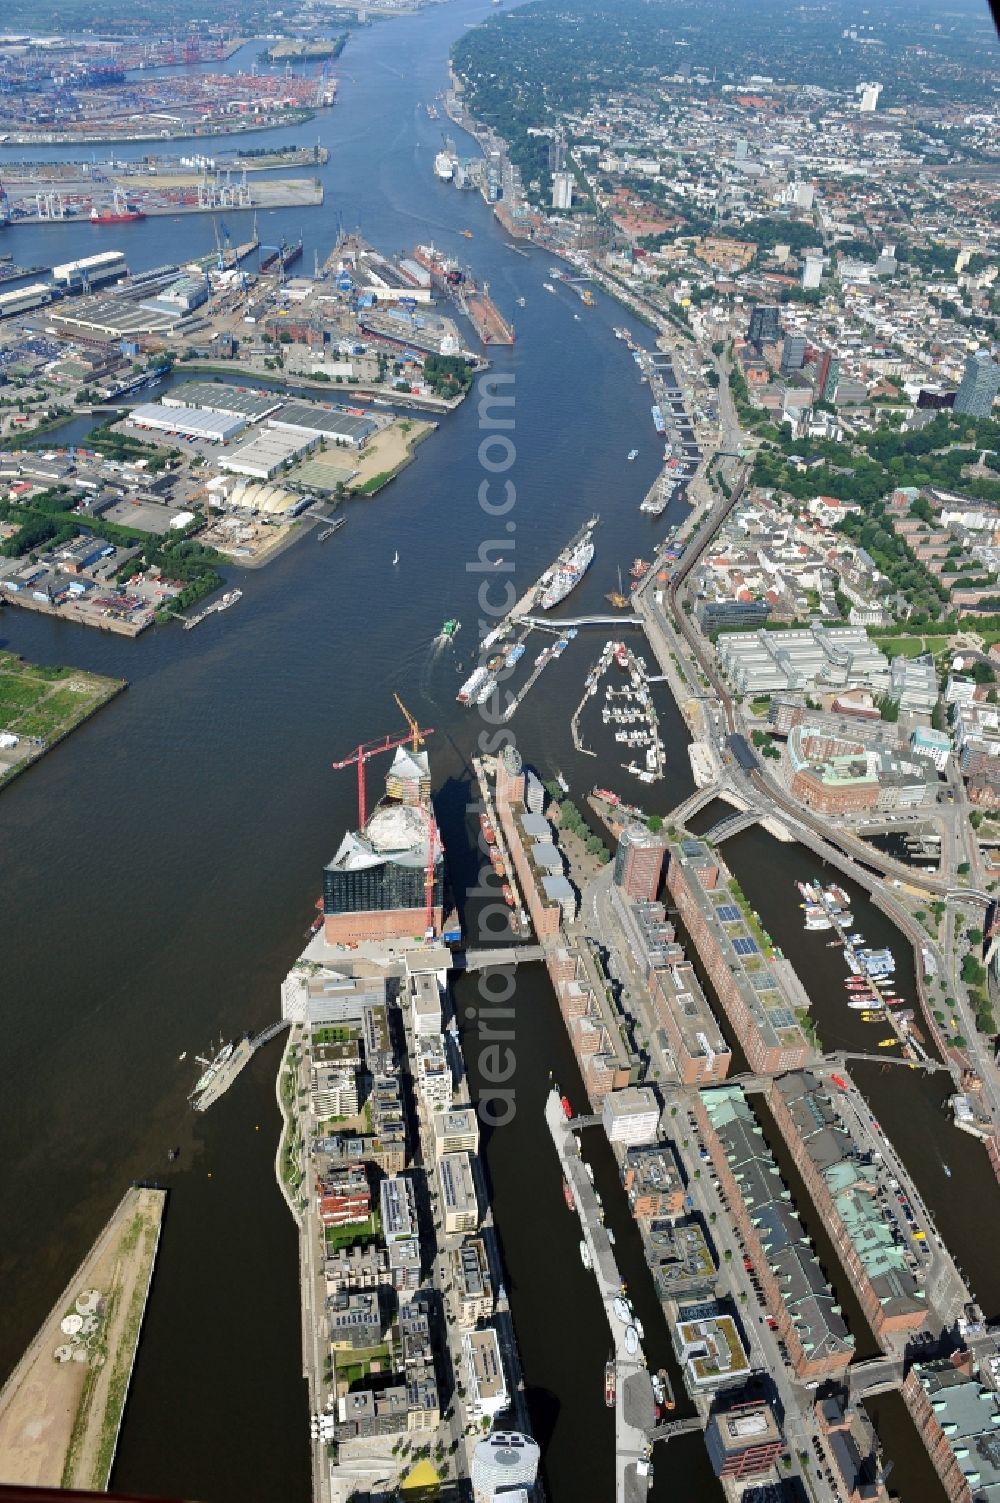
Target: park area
x=39 y=705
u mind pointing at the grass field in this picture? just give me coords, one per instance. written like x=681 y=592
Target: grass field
x=912 y=647
x=39 y=705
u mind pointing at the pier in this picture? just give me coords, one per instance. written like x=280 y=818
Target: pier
x=241 y=1056
x=535 y=674
x=634 y=1406
x=529 y=599
x=61 y=1408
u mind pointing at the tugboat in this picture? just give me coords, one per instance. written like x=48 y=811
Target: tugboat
x=451 y=627
x=663 y=1391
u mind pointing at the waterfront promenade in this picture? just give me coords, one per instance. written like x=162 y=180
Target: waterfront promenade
x=634 y=1391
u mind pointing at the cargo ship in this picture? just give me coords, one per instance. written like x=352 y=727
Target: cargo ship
x=566 y=573
x=115 y=216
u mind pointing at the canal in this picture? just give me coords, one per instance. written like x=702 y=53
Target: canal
x=162 y=866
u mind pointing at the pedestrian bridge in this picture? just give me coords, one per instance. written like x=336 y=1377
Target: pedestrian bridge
x=671 y=1428
x=564 y=621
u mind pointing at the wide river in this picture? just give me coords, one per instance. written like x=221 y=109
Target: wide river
x=160 y=869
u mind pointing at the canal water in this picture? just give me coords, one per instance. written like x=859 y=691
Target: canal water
x=161 y=867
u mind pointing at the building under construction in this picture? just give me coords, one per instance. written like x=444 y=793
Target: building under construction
x=387 y=879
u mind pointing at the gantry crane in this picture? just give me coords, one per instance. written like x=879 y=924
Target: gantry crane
x=368 y=749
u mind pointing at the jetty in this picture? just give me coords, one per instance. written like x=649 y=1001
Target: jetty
x=61 y=1408
x=531 y=596
x=634 y=1405
x=243 y=1051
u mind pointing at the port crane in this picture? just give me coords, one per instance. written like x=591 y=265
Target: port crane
x=414 y=736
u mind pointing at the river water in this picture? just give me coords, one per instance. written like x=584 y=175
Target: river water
x=162 y=865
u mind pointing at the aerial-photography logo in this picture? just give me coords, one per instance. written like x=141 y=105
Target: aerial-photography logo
x=493 y=1015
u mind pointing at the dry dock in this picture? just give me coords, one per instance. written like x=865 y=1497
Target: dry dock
x=61 y=1408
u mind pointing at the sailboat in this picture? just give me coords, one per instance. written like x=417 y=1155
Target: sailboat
x=615 y=596
x=395 y=558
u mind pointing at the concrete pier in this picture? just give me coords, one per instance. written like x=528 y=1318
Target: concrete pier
x=634 y=1407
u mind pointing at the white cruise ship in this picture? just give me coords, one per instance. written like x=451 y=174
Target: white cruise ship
x=567 y=574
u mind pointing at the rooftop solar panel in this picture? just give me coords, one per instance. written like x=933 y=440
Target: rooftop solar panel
x=728 y=913
x=745 y=946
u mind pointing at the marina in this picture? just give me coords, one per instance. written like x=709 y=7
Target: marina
x=629 y=708
x=869 y=984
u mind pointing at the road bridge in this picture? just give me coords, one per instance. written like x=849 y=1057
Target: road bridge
x=697 y=801
x=502 y=955
x=732 y=826
x=877 y=1375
